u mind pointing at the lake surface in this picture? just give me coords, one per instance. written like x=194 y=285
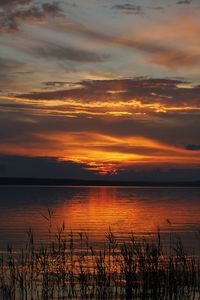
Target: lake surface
x=93 y=210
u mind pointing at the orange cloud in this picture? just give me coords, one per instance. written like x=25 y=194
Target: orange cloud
x=105 y=108
x=105 y=153
x=79 y=124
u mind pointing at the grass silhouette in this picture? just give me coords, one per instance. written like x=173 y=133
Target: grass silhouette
x=138 y=268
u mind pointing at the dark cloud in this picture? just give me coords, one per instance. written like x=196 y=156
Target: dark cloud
x=63 y=123
x=41 y=167
x=193 y=147
x=167 y=91
x=184 y=2
x=51 y=8
x=173 y=126
x=60 y=84
x=37 y=12
x=159 y=8
x=24 y=120
x=13 y=15
x=13 y=3
x=2 y=170
x=23 y=128
x=57 y=83
x=7 y=23
x=33 y=13
x=67 y=53
x=129 y=8
x=159 y=174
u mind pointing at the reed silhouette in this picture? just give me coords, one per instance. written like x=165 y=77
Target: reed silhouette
x=138 y=268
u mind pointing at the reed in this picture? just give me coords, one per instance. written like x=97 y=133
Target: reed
x=138 y=268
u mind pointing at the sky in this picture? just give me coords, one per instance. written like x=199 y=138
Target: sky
x=104 y=89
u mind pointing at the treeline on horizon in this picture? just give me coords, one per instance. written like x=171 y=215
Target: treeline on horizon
x=83 y=182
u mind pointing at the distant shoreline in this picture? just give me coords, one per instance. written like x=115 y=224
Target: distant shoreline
x=79 y=182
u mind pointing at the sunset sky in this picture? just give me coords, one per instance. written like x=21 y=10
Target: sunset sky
x=100 y=89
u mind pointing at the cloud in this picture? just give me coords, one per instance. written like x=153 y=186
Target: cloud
x=13 y=3
x=8 y=69
x=121 y=41
x=7 y=65
x=129 y=8
x=169 y=48
x=67 y=53
x=158 y=8
x=15 y=13
x=66 y=84
x=150 y=106
x=160 y=174
x=175 y=59
x=52 y=9
x=184 y=2
x=138 y=99
x=193 y=147
x=52 y=167
x=41 y=167
x=36 y=13
x=100 y=153
x=139 y=91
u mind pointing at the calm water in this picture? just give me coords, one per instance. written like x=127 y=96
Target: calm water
x=94 y=209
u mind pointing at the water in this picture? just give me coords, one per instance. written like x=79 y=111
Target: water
x=93 y=210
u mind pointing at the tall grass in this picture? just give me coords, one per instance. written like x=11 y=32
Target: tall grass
x=138 y=268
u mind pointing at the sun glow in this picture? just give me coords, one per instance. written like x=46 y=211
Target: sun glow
x=106 y=154
x=98 y=150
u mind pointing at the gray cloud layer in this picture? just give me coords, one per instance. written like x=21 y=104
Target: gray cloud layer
x=67 y=53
